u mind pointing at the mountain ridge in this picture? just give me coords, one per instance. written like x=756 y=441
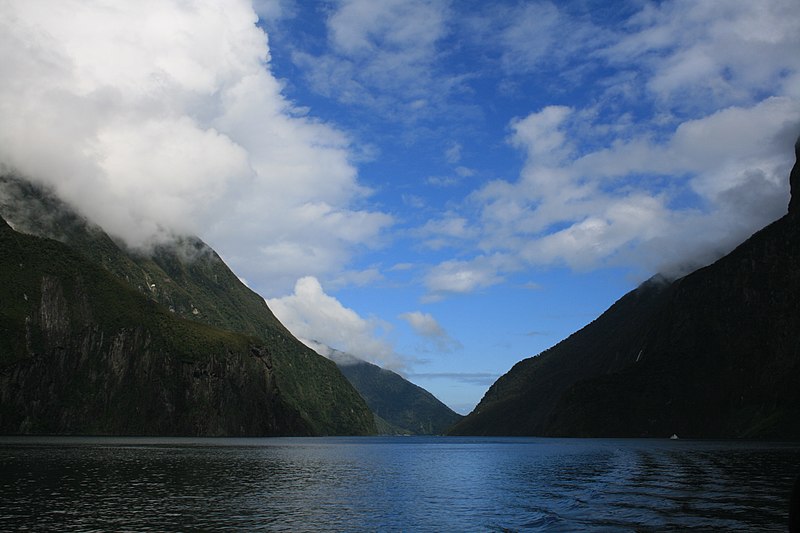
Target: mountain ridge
x=711 y=354
x=401 y=407
x=202 y=291
x=80 y=352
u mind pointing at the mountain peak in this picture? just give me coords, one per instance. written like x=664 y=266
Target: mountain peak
x=794 y=180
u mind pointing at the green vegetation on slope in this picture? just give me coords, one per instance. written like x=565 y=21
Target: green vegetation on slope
x=401 y=406
x=81 y=352
x=190 y=280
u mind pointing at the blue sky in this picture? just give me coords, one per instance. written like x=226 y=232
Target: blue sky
x=443 y=188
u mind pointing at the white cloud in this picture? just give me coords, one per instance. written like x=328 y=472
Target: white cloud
x=425 y=325
x=318 y=318
x=402 y=30
x=449 y=230
x=531 y=35
x=603 y=207
x=459 y=277
x=272 y=10
x=162 y=117
x=723 y=53
x=684 y=153
x=465 y=172
x=442 y=181
x=453 y=153
x=382 y=56
x=541 y=135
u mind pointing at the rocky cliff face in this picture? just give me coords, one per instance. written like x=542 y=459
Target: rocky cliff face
x=713 y=354
x=83 y=353
x=204 y=353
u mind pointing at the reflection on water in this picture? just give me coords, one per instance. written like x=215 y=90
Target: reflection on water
x=355 y=484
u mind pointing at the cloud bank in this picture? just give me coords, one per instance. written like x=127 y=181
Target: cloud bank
x=682 y=151
x=162 y=117
x=321 y=322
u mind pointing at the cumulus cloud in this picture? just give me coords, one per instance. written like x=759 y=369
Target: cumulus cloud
x=320 y=320
x=162 y=117
x=425 y=325
x=702 y=166
x=460 y=277
x=603 y=207
x=720 y=53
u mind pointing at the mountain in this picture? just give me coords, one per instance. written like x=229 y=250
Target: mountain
x=400 y=406
x=713 y=354
x=183 y=295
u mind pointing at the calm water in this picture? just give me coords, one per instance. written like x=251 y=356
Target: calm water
x=392 y=484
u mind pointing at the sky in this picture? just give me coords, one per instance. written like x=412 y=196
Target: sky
x=440 y=187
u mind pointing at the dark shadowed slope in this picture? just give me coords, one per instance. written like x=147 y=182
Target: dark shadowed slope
x=713 y=354
x=82 y=353
x=191 y=281
x=407 y=408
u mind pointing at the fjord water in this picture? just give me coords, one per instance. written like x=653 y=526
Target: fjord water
x=393 y=484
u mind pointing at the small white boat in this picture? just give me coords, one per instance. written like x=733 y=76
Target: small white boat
x=674 y=437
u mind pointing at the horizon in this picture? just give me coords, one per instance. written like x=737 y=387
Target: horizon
x=441 y=189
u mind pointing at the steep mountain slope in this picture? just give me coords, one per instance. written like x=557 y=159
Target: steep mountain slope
x=80 y=352
x=191 y=281
x=402 y=407
x=713 y=354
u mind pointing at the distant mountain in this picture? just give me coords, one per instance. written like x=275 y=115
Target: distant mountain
x=713 y=354
x=184 y=295
x=400 y=406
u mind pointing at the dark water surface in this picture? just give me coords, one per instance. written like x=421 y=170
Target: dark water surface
x=393 y=484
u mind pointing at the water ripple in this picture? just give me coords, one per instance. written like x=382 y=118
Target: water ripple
x=393 y=484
